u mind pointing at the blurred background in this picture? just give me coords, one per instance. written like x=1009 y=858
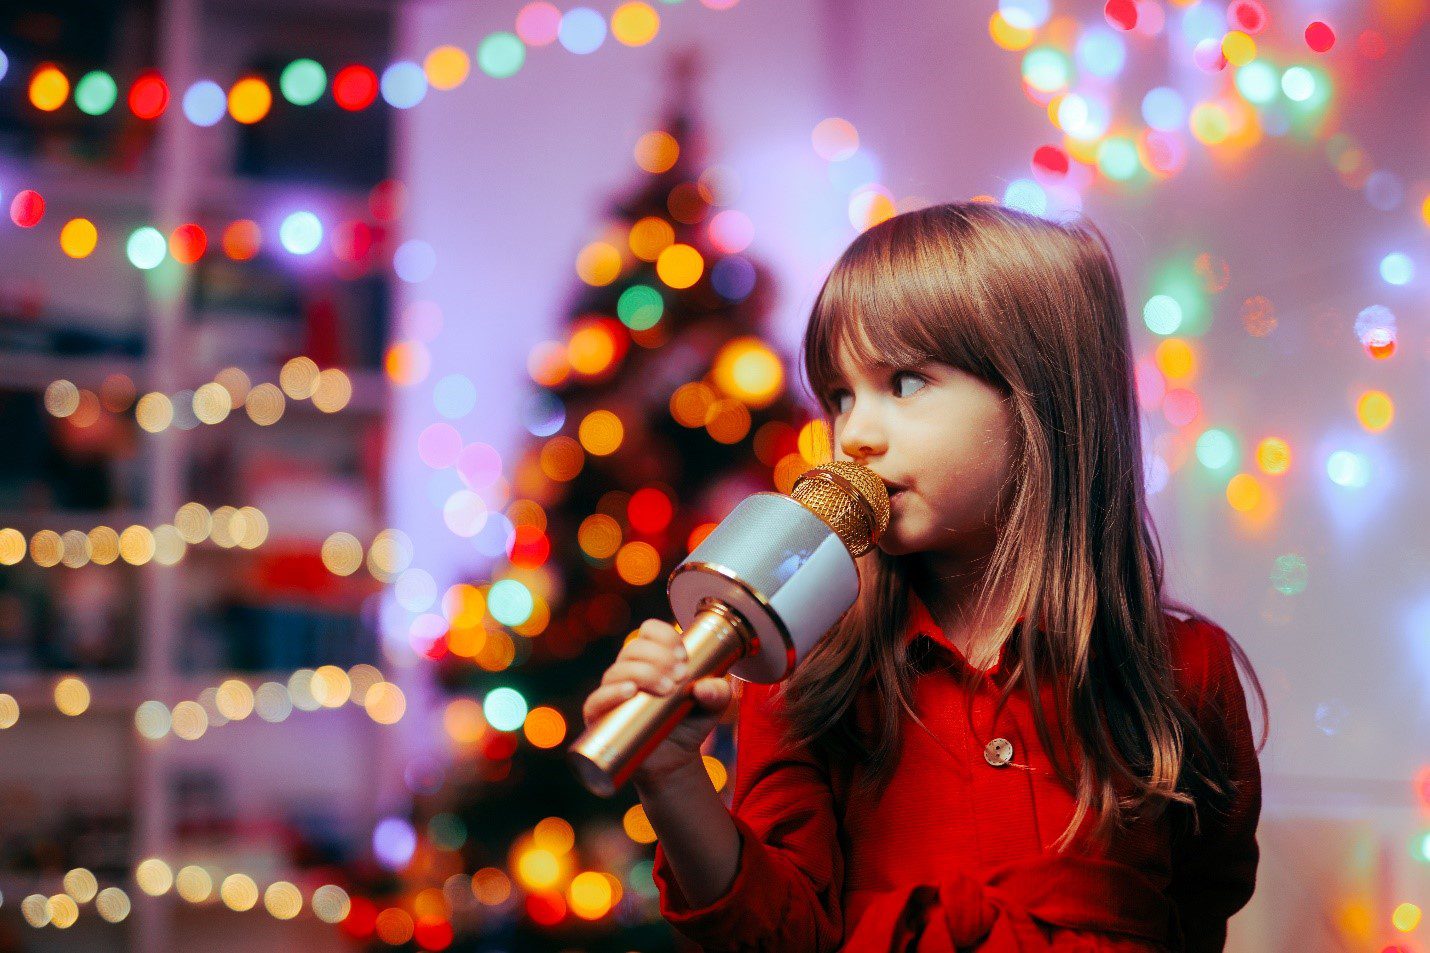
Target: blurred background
x=365 y=368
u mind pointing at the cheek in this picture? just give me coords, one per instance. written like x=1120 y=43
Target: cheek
x=980 y=469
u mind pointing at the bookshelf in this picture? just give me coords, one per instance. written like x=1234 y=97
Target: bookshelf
x=234 y=799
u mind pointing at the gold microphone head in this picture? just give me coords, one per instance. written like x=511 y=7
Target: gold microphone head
x=850 y=498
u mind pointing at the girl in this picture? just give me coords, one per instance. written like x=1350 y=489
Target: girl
x=1009 y=742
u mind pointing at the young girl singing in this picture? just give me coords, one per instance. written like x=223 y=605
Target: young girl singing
x=1013 y=740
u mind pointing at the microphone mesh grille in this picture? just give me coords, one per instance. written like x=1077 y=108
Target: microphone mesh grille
x=848 y=497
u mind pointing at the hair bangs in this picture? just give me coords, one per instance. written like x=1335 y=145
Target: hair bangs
x=883 y=306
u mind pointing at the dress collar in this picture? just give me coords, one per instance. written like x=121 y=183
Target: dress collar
x=921 y=622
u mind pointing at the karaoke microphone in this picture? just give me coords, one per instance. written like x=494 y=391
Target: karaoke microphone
x=752 y=599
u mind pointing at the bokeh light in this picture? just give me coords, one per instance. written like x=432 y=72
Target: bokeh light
x=582 y=30
x=301 y=233
x=96 y=93
x=249 y=100
x=49 y=88
x=146 y=248
x=303 y=82
x=78 y=238
x=149 y=96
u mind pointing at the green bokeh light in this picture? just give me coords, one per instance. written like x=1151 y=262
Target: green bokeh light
x=303 y=82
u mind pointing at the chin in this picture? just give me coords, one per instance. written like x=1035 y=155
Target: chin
x=893 y=545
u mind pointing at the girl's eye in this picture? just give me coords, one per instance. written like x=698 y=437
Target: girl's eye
x=837 y=397
x=907 y=375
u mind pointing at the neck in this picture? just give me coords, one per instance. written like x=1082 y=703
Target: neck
x=950 y=586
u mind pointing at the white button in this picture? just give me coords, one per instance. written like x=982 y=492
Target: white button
x=998 y=752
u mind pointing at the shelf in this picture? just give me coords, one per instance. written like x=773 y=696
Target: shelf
x=66 y=184
x=111 y=693
x=120 y=693
x=62 y=521
x=339 y=761
x=25 y=370
x=35 y=370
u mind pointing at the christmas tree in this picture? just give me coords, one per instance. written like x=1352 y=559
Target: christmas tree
x=657 y=413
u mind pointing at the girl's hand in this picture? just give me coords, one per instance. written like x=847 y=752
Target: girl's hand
x=654 y=661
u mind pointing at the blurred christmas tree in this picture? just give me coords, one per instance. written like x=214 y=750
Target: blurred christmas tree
x=660 y=409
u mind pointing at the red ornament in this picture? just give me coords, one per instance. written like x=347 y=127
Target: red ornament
x=355 y=87
x=1122 y=14
x=1319 y=36
x=1050 y=159
x=27 y=208
x=149 y=96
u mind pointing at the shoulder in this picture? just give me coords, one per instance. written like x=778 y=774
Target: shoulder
x=762 y=717
x=1200 y=655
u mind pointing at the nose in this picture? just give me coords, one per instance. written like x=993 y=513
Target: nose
x=862 y=435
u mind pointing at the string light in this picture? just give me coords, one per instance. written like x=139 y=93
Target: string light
x=350 y=241
x=355 y=86
x=193 y=883
x=330 y=390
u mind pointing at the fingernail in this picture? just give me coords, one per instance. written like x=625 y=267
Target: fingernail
x=666 y=684
x=629 y=688
x=681 y=654
x=682 y=670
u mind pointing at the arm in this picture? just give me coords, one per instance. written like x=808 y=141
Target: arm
x=700 y=839
x=779 y=888
x=1214 y=870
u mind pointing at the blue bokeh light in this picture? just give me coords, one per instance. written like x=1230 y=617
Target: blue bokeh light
x=582 y=30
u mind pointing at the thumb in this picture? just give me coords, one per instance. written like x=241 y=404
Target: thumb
x=713 y=694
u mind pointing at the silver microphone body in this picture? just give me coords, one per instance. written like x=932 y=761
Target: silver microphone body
x=752 y=599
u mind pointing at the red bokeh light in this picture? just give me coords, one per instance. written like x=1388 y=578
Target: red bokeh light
x=1319 y=36
x=149 y=96
x=531 y=549
x=355 y=87
x=1051 y=160
x=27 y=208
x=1121 y=14
x=188 y=243
x=546 y=909
x=649 y=510
x=432 y=933
x=361 y=919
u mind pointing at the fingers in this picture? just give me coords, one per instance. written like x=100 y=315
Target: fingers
x=660 y=633
x=655 y=659
x=712 y=694
x=658 y=679
x=647 y=650
x=604 y=698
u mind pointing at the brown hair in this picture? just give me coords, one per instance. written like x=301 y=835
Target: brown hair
x=1035 y=308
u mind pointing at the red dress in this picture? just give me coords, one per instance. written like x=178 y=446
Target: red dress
x=956 y=853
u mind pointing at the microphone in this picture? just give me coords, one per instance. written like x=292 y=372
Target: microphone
x=752 y=599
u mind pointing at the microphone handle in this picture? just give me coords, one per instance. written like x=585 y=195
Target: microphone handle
x=613 y=747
